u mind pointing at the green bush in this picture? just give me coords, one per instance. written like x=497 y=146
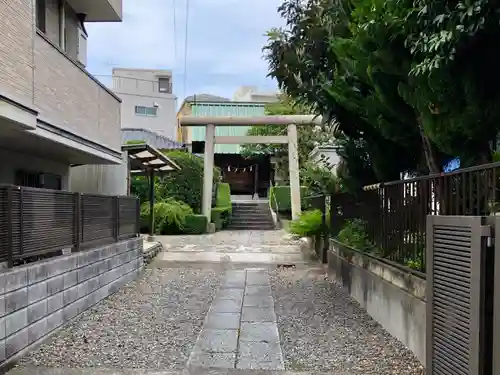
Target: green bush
x=222 y=212
x=353 y=234
x=186 y=184
x=221 y=217
x=223 y=198
x=280 y=196
x=195 y=224
x=308 y=224
x=170 y=216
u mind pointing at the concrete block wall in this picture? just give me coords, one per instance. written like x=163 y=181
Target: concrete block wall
x=38 y=298
x=394 y=298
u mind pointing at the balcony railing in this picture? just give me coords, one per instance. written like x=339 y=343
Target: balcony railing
x=37 y=222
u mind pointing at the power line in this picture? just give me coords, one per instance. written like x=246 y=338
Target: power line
x=186 y=47
x=175 y=31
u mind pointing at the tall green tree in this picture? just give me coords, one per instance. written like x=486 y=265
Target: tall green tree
x=394 y=75
x=309 y=136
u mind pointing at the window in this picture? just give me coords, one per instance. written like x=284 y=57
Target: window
x=41 y=15
x=38 y=180
x=146 y=111
x=164 y=85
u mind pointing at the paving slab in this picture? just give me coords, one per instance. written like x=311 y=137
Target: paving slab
x=255 y=352
x=223 y=321
x=257 y=278
x=226 y=306
x=258 y=300
x=258 y=289
x=217 y=341
x=227 y=293
x=259 y=331
x=258 y=314
x=212 y=360
x=227 y=341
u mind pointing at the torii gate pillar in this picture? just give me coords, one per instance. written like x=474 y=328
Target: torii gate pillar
x=208 y=171
x=293 y=167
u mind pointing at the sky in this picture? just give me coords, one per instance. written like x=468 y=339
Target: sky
x=224 y=43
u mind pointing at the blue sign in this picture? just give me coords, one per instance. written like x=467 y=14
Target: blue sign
x=452 y=165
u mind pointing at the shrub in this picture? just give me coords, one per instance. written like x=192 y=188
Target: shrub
x=353 y=234
x=195 y=224
x=186 y=184
x=223 y=207
x=170 y=216
x=221 y=217
x=223 y=198
x=280 y=196
x=309 y=224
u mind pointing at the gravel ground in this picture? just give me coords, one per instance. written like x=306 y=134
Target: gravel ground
x=323 y=330
x=152 y=323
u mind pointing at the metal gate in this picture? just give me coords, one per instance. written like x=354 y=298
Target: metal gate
x=459 y=295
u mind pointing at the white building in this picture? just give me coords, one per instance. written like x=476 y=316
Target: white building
x=252 y=94
x=147 y=100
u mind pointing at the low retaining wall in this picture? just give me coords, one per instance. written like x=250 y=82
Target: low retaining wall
x=393 y=297
x=38 y=298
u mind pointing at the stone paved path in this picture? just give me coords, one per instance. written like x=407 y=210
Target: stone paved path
x=240 y=329
x=231 y=312
x=264 y=248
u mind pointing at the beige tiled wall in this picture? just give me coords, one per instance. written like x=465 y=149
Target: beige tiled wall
x=16 y=49
x=36 y=72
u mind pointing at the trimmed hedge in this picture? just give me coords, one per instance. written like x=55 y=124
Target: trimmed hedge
x=221 y=213
x=221 y=217
x=195 y=224
x=282 y=197
x=223 y=198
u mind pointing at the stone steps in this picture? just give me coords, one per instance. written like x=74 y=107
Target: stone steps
x=251 y=216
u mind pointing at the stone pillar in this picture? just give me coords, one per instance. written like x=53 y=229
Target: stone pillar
x=208 y=170
x=293 y=166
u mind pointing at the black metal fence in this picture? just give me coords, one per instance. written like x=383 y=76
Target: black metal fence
x=35 y=222
x=394 y=213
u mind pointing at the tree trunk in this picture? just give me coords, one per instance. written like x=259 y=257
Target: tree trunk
x=429 y=155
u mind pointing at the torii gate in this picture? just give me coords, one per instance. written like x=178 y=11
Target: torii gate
x=211 y=139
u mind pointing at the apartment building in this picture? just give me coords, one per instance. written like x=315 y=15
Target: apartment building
x=253 y=94
x=53 y=113
x=147 y=100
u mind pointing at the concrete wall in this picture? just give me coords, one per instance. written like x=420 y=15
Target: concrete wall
x=13 y=161
x=38 y=298
x=139 y=87
x=394 y=298
x=100 y=179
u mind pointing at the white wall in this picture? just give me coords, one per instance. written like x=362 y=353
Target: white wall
x=165 y=121
x=13 y=161
x=329 y=153
x=100 y=179
x=139 y=87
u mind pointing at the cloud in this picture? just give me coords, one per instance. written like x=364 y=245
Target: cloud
x=225 y=40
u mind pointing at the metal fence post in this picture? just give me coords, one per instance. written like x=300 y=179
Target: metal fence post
x=78 y=221
x=324 y=253
x=117 y=217
x=138 y=217
x=10 y=241
x=21 y=220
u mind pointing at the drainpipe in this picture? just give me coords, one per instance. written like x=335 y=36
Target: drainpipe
x=62 y=24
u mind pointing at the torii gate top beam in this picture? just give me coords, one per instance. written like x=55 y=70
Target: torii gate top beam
x=250 y=120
